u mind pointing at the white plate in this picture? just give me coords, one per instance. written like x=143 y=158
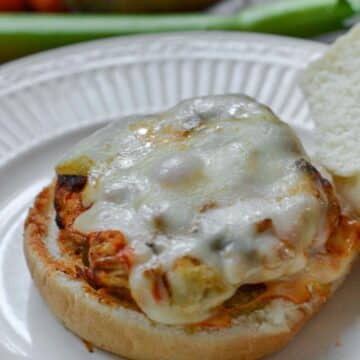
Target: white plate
x=50 y=101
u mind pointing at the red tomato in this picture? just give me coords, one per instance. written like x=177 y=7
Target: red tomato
x=47 y=5
x=12 y=5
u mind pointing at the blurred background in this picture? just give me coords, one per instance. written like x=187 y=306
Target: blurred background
x=29 y=26
x=123 y=5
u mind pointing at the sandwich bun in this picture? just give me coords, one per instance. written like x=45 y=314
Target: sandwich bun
x=127 y=332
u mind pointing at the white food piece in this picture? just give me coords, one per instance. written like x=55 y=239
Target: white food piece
x=196 y=182
x=332 y=87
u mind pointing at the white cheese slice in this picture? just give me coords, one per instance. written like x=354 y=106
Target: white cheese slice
x=197 y=182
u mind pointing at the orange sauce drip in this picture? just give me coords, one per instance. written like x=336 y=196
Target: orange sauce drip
x=89 y=346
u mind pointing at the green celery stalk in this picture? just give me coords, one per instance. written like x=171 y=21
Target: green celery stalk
x=22 y=34
x=303 y=18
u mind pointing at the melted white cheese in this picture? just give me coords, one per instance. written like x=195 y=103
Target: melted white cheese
x=195 y=182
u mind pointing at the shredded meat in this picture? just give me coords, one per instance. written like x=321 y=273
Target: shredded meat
x=104 y=256
x=67 y=203
x=110 y=259
x=74 y=245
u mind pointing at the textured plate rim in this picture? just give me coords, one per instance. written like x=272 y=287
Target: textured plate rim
x=121 y=40
x=86 y=56
x=96 y=53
